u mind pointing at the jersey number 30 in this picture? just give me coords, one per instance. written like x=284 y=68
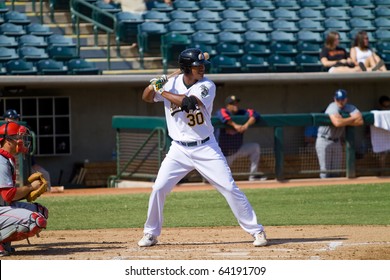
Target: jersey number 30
x=195 y=119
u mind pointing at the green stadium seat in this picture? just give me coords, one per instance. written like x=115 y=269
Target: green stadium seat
x=60 y=40
x=210 y=49
x=309 y=36
x=256 y=37
x=313 y=4
x=172 y=44
x=340 y=4
x=260 y=15
x=282 y=13
x=204 y=37
x=51 y=67
x=156 y=16
x=311 y=25
x=258 y=25
x=62 y=53
x=232 y=26
x=126 y=29
x=212 y=5
x=225 y=64
x=362 y=3
x=230 y=37
x=308 y=63
x=32 y=54
x=381 y=22
x=265 y=5
x=254 y=64
x=281 y=64
x=239 y=5
x=309 y=47
x=364 y=24
x=257 y=49
x=337 y=13
x=7 y=54
x=382 y=11
x=382 y=2
x=229 y=49
x=336 y=24
x=360 y=12
x=206 y=26
x=310 y=13
x=284 y=25
x=10 y=29
x=20 y=67
x=282 y=48
x=282 y=36
x=383 y=47
x=8 y=41
x=16 y=17
x=38 y=29
x=190 y=6
x=287 y=4
x=382 y=35
x=234 y=15
x=160 y=6
x=183 y=16
x=208 y=15
x=29 y=40
x=80 y=66
x=386 y=59
x=180 y=27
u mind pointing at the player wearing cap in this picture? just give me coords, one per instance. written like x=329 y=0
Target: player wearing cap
x=231 y=138
x=188 y=102
x=328 y=143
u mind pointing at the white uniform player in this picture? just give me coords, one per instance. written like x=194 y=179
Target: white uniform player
x=188 y=100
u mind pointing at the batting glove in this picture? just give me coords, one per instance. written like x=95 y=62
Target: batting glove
x=159 y=83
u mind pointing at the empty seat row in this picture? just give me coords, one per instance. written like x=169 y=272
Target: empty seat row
x=35 y=41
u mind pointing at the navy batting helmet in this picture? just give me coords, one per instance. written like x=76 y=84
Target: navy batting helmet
x=191 y=57
x=11 y=114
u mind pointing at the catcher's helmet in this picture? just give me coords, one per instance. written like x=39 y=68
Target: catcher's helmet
x=191 y=57
x=11 y=114
x=18 y=133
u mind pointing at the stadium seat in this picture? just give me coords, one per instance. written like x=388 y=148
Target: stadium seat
x=20 y=67
x=189 y=6
x=8 y=41
x=32 y=54
x=382 y=35
x=311 y=25
x=208 y=15
x=287 y=4
x=172 y=44
x=382 y=2
x=256 y=37
x=309 y=47
x=239 y=5
x=309 y=36
x=110 y=8
x=308 y=63
x=62 y=53
x=7 y=54
x=232 y=26
x=386 y=59
x=313 y=4
x=360 y=12
x=229 y=49
x=281 y=13
x=160 y=6
x=383 y=47
x=16 y=17
x=234 y=15
x=382 y=22
x=183 y=16
x=206 y=26
x=29 y=40
x=3 y=8
x=282 y=48
x=210 y=49
x=362 y=3
x=340 y=4
x=280 y=64
x=204 y=37
x=60 y=40
x=213 y=5
x=265 y=5
x=363 y=24
x=282 y=36
x=336 y=24
x=156 y=16
x=337 y=13
x=149 y=38
x=126 y=29
x=310 y=13
x=230 y=37
x=254 y=64
x=10 y=29
x=382 y=11
x=38 y=29
x=257 y=49
x=260 y=15
x=79 y=66
x=284 y=25
x=51 y=67
x=180 y=27
x=225 y=64
x=258 y=25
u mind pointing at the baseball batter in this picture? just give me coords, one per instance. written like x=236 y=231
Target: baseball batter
x=328 y=143
x=188 y=101
x=18 y=220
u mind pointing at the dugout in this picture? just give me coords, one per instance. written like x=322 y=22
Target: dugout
x=92 y=101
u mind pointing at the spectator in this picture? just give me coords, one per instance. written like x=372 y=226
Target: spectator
x=328 y=144
x=384 y=103
x=149 y=3
x=231 y=138
x=334 y=58
x=12 y=115
x=364 y=56
x=132 y=6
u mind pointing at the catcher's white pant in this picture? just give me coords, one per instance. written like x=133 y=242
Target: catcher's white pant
x=211 y=164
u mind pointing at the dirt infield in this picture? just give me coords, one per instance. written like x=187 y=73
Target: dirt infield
x=219 y=243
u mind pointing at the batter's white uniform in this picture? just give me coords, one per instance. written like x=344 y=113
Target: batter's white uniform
x=194 y=147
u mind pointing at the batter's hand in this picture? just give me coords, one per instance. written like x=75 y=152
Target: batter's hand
x=159 y=83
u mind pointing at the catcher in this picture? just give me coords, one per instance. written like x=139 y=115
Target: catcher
x=18 y=220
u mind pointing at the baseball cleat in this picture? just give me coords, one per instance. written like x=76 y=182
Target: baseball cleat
x=260 y=239
x=147 y=240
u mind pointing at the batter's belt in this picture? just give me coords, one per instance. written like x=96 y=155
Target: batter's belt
x=194 y=143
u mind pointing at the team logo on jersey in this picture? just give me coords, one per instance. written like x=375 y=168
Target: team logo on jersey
x=174 y=109
x=204 y=91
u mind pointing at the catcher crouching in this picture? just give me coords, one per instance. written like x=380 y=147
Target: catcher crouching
x=18 y=220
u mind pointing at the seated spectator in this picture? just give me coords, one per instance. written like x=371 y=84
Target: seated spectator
x=384 y=103
x=364 y=56
x=334 y=58
x=231 y=138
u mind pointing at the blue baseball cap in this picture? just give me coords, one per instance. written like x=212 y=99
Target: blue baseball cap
x=340 y=94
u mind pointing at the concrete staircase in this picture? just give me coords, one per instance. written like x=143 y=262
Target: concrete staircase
x=127 y=62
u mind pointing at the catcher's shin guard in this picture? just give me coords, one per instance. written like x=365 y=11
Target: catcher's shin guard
x=20 y=232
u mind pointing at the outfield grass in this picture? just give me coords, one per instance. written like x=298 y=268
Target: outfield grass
x=324 y=205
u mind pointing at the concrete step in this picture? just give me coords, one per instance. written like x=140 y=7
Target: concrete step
x=67 y=28
x=127 y=63
x=101 y=52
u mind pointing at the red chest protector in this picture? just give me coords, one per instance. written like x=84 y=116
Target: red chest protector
x=10 y=158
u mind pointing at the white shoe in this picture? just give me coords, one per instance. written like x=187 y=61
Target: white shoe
x=260 y=239
x=147 y=240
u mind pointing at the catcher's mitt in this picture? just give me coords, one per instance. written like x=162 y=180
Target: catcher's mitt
x=33 y=195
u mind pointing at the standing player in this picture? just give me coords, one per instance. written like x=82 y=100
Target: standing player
x=18 y=220
x=188 y=101
x=328 y=143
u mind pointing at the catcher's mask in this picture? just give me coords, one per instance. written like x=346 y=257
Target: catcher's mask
x=18 y=133
x=191 y=57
